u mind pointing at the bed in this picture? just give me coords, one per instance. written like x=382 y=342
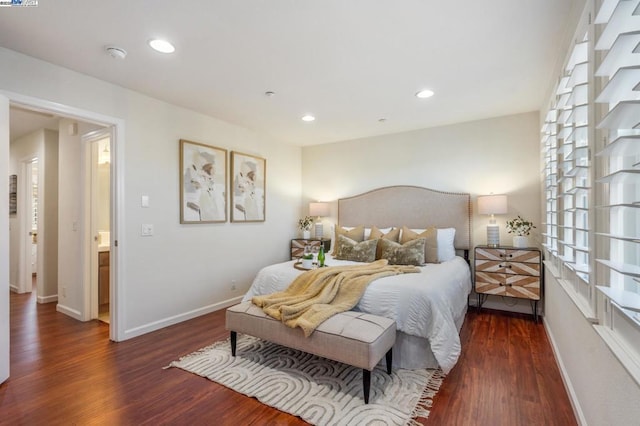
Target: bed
x=429 y=307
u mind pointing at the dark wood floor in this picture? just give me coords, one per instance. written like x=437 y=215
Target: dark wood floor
x=67 y=372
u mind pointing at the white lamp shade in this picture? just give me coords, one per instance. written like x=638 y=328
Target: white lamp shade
x=492 y=204
x=319 y=209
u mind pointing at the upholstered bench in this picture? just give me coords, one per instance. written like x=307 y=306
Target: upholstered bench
x=354 y=338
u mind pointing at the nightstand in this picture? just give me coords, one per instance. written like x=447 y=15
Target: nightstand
x=509 y=272
x=297 y=245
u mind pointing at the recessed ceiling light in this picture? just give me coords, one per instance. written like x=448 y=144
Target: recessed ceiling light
x=424 y=94
x=308 y=117
x=162 y=46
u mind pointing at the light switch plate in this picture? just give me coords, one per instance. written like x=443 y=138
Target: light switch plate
x=147 y=230
x=145 y=201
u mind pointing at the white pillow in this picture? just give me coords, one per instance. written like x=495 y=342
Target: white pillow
x=367 y=231
x=446 y=250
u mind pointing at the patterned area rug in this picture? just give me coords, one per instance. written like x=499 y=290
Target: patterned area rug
x=319 y=391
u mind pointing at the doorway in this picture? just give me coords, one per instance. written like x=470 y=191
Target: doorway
x=32 y=175
x=28 y=207
x=97 y=146
x=74 y=285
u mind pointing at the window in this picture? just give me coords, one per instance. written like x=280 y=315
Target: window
x=566 y=146
x=593 y=202
x=619 y=174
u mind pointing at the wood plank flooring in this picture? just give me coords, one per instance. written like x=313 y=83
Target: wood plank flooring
x=67 y=372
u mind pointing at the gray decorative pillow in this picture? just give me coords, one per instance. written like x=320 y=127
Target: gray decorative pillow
x=348 y=249
x=409 y=253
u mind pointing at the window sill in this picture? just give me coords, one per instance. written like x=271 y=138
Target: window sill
x=581 y=304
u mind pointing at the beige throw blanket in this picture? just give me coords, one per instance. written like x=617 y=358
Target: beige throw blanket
x=316 y=295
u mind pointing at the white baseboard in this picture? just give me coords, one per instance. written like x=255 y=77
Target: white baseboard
x=166 y=322
x=48 y=299
x=69 y=311
x=575 y=404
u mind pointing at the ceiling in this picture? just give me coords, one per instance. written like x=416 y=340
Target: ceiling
x=354 y=64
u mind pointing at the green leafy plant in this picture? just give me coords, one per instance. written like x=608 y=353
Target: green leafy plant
x=305 y=223
x=308 y=256
x=519 y=226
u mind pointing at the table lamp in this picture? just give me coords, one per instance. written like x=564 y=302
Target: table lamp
x=318 y=210
x=492 y=205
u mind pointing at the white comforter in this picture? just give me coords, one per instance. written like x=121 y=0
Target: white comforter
x=422 y=305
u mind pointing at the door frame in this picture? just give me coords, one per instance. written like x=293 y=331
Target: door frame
x=117 y=216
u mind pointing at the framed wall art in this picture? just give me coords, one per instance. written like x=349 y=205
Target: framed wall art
x=203 y=184
x=13 y=194
x=248 y=187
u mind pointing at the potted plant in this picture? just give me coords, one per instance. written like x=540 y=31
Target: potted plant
x=307 y=261
x=304 y=225
x=521 y=228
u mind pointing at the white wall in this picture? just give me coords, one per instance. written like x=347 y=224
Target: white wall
x=602 y=390
x=42 y=144
x=498 y=155
x=31 y=145
x=48 y=220
x=4 y=239
x=183 y=270
x=70 y=202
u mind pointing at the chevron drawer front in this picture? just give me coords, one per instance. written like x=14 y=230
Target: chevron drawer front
x=510 y=272
x=298 y=244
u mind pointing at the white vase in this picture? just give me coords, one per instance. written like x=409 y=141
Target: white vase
x=306 y=234
x=521 y=241
x=307 y=263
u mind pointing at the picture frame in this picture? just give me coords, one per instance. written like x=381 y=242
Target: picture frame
x=248 y=187
x=203 y=183
x=13 y=194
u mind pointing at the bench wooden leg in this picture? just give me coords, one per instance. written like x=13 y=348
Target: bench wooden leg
x=234 y=337
x=389 y=360
x=366 y=384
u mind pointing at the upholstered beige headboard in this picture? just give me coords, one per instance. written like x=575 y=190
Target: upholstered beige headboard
x=412 y=206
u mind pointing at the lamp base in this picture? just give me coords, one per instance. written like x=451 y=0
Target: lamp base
x=493 y=235
x=318 y=230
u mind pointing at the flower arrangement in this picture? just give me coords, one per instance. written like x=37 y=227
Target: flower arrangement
x=305 y=223
x=519 y=226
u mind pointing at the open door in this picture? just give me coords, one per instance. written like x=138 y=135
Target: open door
x=4 y=239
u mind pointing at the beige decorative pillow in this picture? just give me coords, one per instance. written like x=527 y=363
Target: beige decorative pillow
x=376 y=233
x=348 y=249
x=356 y=234
x=431 y=244
x=409 y=253
x=392 y=235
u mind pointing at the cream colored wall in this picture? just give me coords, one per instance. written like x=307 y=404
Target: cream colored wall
x=42 y=144
x=183 y=270
x=48 y=222
x=70 y=202
x=26 y=146
x=498 y=155
x=603 y=392
x=4 y=241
